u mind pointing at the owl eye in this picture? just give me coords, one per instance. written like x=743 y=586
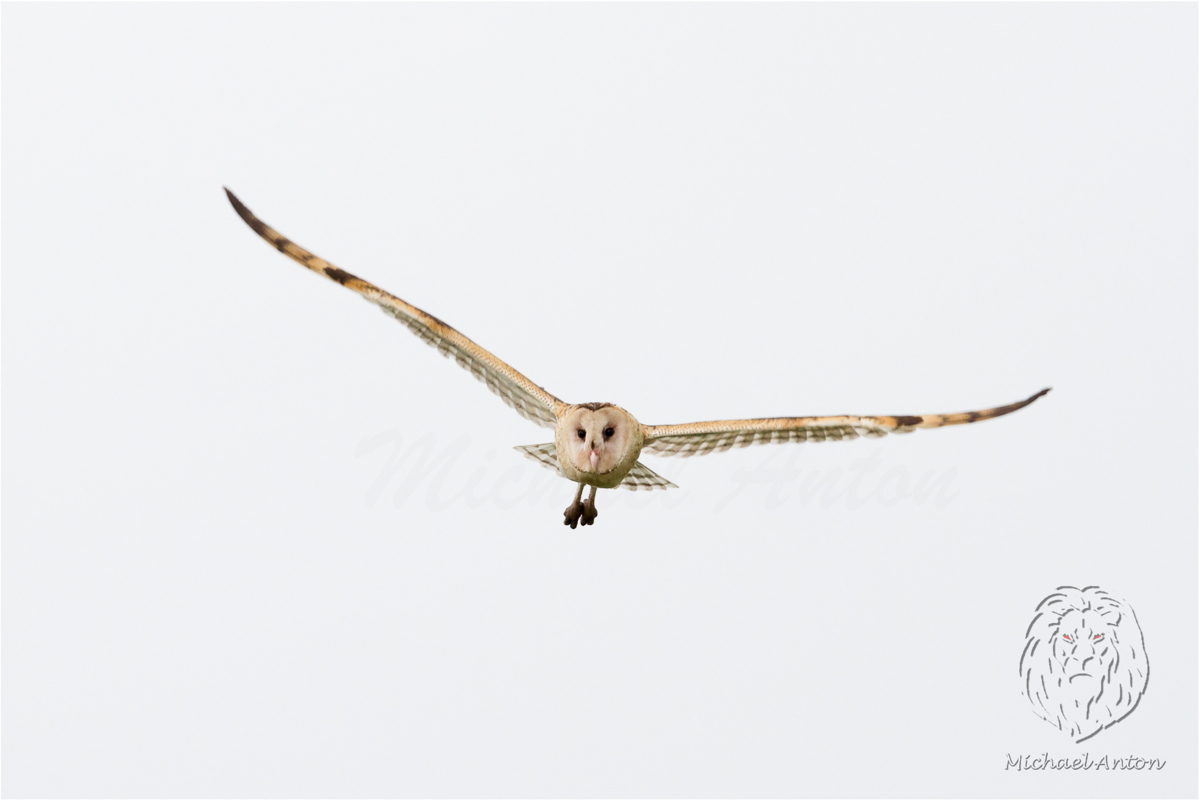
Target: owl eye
x=608 y=432
x=582 y=434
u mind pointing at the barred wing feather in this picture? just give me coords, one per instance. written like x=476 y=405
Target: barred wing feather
x=546 y=455
x=643 y=478
x=702 y=442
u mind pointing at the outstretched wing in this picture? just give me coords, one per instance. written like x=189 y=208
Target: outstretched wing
x=643 y=478
x=531 y=401
x=693 y=439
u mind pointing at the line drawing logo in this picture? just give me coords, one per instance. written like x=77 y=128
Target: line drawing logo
x=1084 y=667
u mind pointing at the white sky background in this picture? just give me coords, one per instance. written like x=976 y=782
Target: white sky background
x=213 y=587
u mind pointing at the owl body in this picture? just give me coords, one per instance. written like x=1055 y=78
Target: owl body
x=597 y=444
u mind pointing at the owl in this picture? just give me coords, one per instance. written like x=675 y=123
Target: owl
x=597 y=445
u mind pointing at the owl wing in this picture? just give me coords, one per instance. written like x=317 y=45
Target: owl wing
x=693 y=439
x=530 y=401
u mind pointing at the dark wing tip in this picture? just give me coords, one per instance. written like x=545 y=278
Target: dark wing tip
x=245 y=213
x=1021 y=404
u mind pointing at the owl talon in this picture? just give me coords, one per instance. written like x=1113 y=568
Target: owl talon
x=572 y=513
x=589 y=512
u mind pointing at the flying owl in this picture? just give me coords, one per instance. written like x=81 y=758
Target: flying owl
x=597 y=445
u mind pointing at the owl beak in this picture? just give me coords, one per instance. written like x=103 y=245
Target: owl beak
x=595 y=460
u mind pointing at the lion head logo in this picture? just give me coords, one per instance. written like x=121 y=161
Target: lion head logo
x=1084 y=666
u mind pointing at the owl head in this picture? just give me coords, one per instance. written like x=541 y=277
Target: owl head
x=598 y=436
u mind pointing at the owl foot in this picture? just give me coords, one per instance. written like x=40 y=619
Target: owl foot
x=589 y=511
x=586 y=511
x=572 y=514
